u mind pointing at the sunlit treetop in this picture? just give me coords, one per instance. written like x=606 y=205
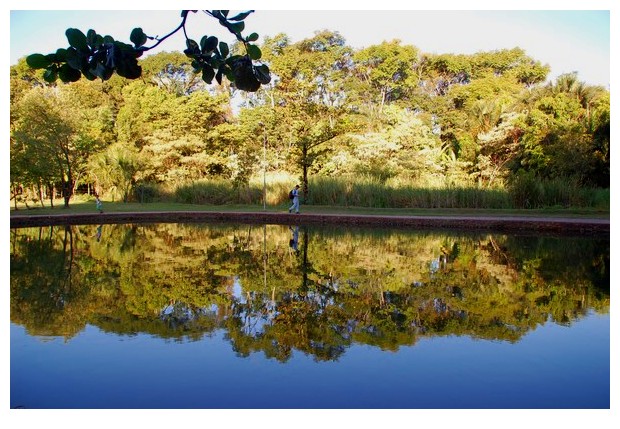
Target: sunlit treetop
x=95 y=56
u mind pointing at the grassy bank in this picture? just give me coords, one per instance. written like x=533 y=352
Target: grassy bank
x=336 y=195
x=87 y=205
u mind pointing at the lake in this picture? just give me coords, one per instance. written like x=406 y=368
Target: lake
x=216 y=316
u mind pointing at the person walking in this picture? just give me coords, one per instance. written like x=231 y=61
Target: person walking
x=295 y=205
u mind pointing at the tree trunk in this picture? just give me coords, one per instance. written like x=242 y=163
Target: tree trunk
x=305 y=266
x=15 y=196
x=304 y=162
x=40 y=189
x=51 y=188
x=67 y=188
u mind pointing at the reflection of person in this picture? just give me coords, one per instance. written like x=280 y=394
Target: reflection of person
x=295 y=205
x=294 y=241
x=98 y=235
x=99 y=204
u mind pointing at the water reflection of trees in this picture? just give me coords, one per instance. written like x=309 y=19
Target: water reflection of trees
x=380 y=288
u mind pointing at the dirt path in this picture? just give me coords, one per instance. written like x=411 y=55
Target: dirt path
x=501 y=223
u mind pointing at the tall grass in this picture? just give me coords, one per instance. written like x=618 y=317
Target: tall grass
x=523 y=193
x=527 y=192
x=217 y=192
x=278 y=185
x=369 y=192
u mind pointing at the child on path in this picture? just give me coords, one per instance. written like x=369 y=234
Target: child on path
x=99 y=204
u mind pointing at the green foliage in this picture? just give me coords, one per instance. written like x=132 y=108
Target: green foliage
x=146 y=192
x=386 y=74
x=96 y=56
x=48 y=144
x=559 y=137
x=387 y=117
x=116 y=171
x=173 y=72
x=93 y=56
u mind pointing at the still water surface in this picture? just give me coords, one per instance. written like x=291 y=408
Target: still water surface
x=217 y=316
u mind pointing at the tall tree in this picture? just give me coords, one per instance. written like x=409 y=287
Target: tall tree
x=49 y=140
x=566 y=132
x=386 y=74
x=308 y=95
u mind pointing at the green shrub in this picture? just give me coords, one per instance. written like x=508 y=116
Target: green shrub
x=525 y=191
x=146 y=192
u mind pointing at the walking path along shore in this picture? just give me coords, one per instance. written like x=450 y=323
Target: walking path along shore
x=482 y=222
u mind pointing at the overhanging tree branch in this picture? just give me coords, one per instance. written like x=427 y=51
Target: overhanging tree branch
x=94 y=56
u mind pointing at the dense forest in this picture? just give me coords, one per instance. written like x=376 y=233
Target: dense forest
x=386 y=120
x=319 y=294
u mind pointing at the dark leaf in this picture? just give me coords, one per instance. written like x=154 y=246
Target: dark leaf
x=236 y=27
x=232 y=60
x=98 y=71
x=91 y=38
x=241 y=16
x=224 y=13
x=61 y=55
x=67 y=73
x=38 y=61
x=129 y=70
x=126 y=63
x=88 y=75
x=137 y=37
x=108 y=39
x=102 y=72
x=51 y=74
x=216 y=63
x=243 y=75
x=76 y=39
x=224 y=49
x=252 y=37
x=74 y=58
x=192 y=46
x=107 y=73
x=208 y=73
x=254 y=51
x=229 y=74
x=208 y=44
x=218 y=76
x=125 y=47
x=262 y=74
x=111 y=56
x=197 y=66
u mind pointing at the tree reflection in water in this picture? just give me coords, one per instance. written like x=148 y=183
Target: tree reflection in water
x=331 y=289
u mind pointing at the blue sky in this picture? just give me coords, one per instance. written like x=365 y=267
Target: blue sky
x=567 y=40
